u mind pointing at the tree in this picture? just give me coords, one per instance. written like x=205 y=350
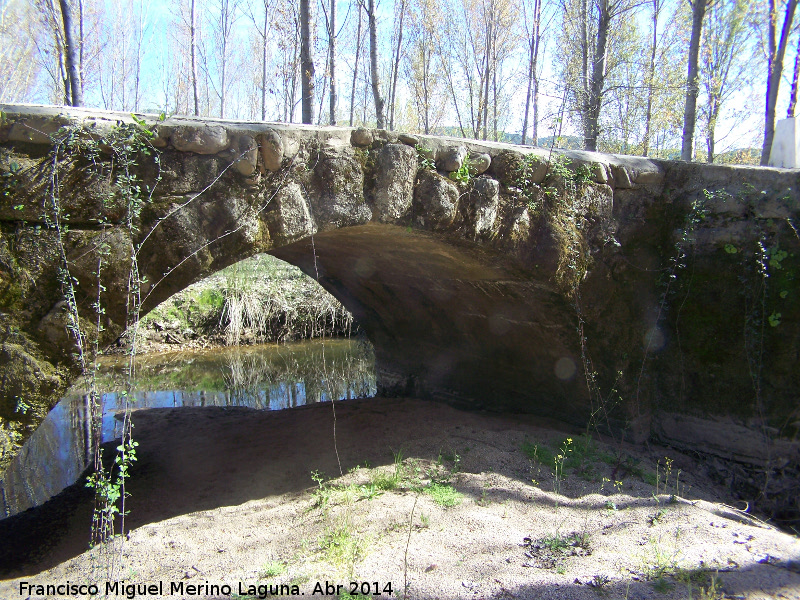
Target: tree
x=776 y=52
x=423 y=79
x=692 y=87
x=721 y=65
x=587 y=34
x=306 y=64
x=396 y=53
x=193 y=43
x=658 y=5
x=18 y=65
x=72 y=43
x=355 y=63
x=261 y=24
x=331 y=27
x=373 y=63
x=533 y=34
x=795 y=76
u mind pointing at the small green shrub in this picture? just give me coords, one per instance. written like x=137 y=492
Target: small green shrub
x=444 y=495
x=539 y=453
x=272 y=569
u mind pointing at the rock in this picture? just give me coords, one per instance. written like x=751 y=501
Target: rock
x=426 y=152
x=478 y=163
x=271 y=150
x=394 y=185
x=506 y=164
x=485 y=195
x=291 y=147
x=410 y=140
x=37 y=130
x=437 y=198
x=600 y=172
x=621 y=178
x=338 y=197
x=361 y=137
x=294 y=218
x=53 y=326
x=163 y=135
x=451 y=159
x=247 y=155
x=202 y=139
x=654 y=176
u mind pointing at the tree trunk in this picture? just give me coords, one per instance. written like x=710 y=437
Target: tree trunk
x=355 y=66
x=774 y=71
x=793 y=97
x=264 y=65
x=650 y=75
x=534 y=55
x=595 y=98
x=486 y=70
x=81 y=39
x=72 y=57
x=306 y=64
x=373 y=62
x=223 y=25
x=692 y=87
x=193 y=43
x=396 y=66
x=332 y=56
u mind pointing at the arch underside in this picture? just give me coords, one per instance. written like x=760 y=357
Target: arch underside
x=450 y=321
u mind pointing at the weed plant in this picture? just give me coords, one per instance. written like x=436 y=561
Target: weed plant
x=444 y=494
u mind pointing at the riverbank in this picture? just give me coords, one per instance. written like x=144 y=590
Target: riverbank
x=444 y=503
x=258 y=300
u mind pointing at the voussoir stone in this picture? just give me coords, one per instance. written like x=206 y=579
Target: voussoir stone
x=644 y=177
x=37 y=130
x=271 y=150
x=600 y=172
x=394 y=185
x=206 y=139
x=437 y=199
x=485 y=195
x=163 y=135
x=361 y=137
x=452 y=158
x=408 y=139
x=293 y=216
x=622 y=179
x=506 y=164
x=479 y=163
x=246 y=155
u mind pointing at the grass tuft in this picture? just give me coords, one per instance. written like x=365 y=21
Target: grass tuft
x=444 y=495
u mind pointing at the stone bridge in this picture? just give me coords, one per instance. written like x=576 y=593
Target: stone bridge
x=646 y=298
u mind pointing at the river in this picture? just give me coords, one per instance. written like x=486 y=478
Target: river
x=265 y=377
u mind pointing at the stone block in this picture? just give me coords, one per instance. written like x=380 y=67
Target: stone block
x=361 y=137
x=394 y=181
x=479 y=163
x=451 y=159
x=246 y=155
x=201 y=139
x=785 y=151
x=271 y=150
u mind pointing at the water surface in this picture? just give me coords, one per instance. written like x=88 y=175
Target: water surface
x=267 y=377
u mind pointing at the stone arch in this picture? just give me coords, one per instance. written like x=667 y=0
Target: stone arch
x=511 y=284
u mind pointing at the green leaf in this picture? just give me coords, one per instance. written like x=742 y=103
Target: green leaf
x=730 y=249
x=774 y=319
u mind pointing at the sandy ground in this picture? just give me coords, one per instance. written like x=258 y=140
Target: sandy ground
x=225 y=497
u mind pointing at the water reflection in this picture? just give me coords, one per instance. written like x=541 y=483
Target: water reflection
x=262 y=377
